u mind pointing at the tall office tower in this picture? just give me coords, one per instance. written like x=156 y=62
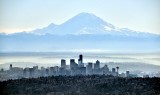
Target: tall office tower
x=127 y=73
x=63 y=63
x=26 y=72
x=80 y=61
x=56 y=70
x=89 y=68
x=81 y=57
x=47 y=72
x=72 y=63
x=31 y=72
x=51 y=71
x=97 y=65
x=113 y=70
x=35 y=69
x=10 y=67
x=106 y=69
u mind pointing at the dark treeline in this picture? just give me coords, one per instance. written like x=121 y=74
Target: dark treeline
x=81 y=85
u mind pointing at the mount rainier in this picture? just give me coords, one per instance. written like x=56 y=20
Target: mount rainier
x=84 y=31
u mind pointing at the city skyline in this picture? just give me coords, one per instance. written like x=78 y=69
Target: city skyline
x=73 y=69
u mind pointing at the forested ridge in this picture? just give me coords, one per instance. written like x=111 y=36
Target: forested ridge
x=81 y=85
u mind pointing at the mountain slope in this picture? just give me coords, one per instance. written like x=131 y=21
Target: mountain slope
x=87 y=23
x=83 y=31
x=84 y=23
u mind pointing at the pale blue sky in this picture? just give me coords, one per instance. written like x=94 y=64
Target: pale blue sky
x=24 y=15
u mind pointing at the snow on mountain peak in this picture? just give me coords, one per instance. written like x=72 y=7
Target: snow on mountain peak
x=84 y=23
x=87 y=22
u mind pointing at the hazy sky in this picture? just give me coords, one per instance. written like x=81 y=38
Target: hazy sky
x=24 y=15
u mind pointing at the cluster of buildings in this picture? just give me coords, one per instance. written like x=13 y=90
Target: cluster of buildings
x=69 y=70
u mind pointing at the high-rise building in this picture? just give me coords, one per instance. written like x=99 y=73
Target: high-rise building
x=52 y=71
x=80 y=61
x=73 y=67
x=81 y=57
x=114 y=72
x=127 y=74
x=89 y=68
x=72 y=63
x=31 y=72
x=97 y=65
x=47 y=72
x=117 y=70
x=26 y=72
x=35 y=69
x=63 y=63
x=105 y=69
x=10 y=67
x=56 y=68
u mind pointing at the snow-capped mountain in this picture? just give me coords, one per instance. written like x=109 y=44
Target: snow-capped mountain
x=87 y=23
x=83 y=23
x=83 y=31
